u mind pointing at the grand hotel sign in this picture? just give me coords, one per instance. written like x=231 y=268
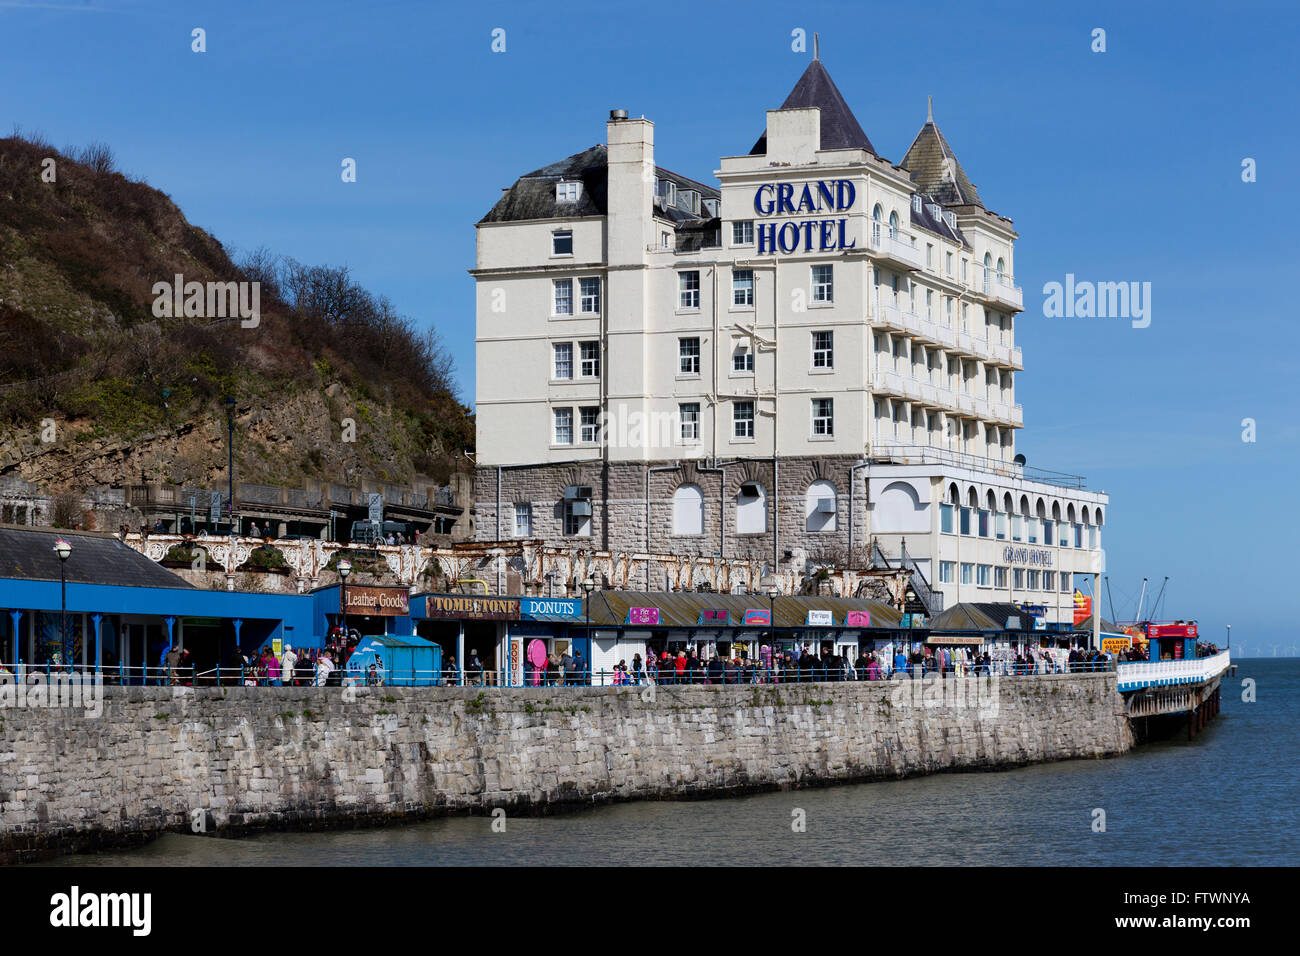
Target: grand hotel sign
x=1034 y=557
x=821 y=232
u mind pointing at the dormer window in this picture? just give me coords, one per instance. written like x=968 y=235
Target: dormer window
x=952 y=220
x=916 y=205
x=669 y=192
x=568 y=192
x=935 y=211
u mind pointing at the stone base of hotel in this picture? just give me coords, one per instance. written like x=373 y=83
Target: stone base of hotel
x=240 y=760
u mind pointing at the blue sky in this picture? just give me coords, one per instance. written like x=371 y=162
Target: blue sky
x=1115 y=166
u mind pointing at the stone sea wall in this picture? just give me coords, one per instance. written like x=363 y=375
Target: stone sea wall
x=235 y=760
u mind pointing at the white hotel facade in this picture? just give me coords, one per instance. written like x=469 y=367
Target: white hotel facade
x=814 y=361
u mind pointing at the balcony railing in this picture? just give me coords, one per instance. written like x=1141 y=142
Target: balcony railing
x=895 y=246
x=1002 y=289
x=909 y=454
x=1160 y=673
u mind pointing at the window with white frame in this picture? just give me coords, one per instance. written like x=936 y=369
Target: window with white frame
x=688 y=356
x=688 y=415
x=568 y=192
x=1033 y=580
x=742 y=360
x=1065 y=582
x=823 y=417
x=984 y=575
x=945 y=518
x=523 y=519
x=590 y=356
x=947 y=571
x=688 y=290
x=562 y=242
x=742 y=419
x=742 y=233
x=967 y=572
x=563 y=426
x=823 y=283
x=563 y=359
x=1018 y=579
x=823 y=349
x=999 y=577
x=742 y=287
x=564 y=297
x=590 y=424
x=1049 y=580
x=589 y=290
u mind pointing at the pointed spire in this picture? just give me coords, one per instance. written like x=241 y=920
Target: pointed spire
x=840 y=128
x=935 y=168
x=929 y=110
x=817 y=53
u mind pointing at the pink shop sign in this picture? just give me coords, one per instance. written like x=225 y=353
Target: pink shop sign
x=858 y=619
x=644 y=616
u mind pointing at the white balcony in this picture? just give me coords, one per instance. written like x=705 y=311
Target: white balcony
x=1017 y=358
x=898 y=249
x=1004 y=291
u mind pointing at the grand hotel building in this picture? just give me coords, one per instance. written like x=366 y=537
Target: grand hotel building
x=814 y=361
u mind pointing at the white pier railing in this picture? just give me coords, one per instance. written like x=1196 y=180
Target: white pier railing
x=1159 y=673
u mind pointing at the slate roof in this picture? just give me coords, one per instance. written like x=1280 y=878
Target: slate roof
x=533 y=195
x=28 y=554
x=840 y=128
x=936 y=224
x=977 y=616
x=935 y=169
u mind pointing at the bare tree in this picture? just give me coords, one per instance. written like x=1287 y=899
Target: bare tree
x=99 y=157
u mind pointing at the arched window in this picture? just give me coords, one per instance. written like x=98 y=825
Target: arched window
x=988 y=270
x=820 y=506
x=893 y=225
x=1002 y=270
x=876 y=215
x=751 y=508
x=688 y=510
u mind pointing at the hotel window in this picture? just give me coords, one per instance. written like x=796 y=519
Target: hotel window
x=946 y=571
x=948 y=263
x=965 y=522
x=1033 y=529
x=564 y=297
x=823 y=350
x=929 y=255
x=1017 y=532
x=929 y=303
x=742 y=233
x=562 y=243
x=823 y=283
x=689 y=416
x=967 y=573
x=999 y=577
x=1092 y=537
x=1033 y=580
x=590 y=425
x=590 y=356
x=1062 y=534
x=1049 y=580
x=567 y=192
x=983 y=523
x=564 y=360
x=945 y=519
x=577 y=518
x=589 y=289
x=1018 y=579
x=742 y=420
x=665 y=241
x=823 y=417
x=564 y=426
x=1000 y=526
x=688 y=356
x=916 y=204
x=963 y=270
x=947 y=313
x=742 y=287
x=1078 y=535
x=742 y=360
x=1047 y=532
x=984 y=575
x=1065 y=582
x=523 y=519
x=688 y=290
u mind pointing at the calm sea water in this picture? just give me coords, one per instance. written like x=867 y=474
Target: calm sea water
x=1228 y=798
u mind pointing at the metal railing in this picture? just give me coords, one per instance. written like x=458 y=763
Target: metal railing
x=1158 y=673
x=926 y=454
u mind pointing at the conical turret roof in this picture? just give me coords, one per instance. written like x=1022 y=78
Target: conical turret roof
x=840 y=128
x=935 y=169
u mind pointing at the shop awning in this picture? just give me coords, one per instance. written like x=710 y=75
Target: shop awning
x=683 y=610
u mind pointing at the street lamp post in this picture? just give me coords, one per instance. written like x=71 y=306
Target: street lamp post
x=344 y=569
x=1229 y=635
x=770 y=588
x=63 y=549
x=589 y=585
x=230 y=461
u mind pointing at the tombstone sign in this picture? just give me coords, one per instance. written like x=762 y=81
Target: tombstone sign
x=376 y=507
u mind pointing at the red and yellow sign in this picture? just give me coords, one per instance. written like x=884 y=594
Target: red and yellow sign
x=1082 y=606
